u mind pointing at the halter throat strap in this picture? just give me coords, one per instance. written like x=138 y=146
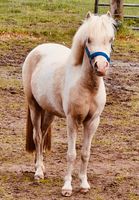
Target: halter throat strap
x=91 y=55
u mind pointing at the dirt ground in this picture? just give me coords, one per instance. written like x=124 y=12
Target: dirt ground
x=113 y=169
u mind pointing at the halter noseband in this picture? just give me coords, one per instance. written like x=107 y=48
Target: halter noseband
x=91 y=55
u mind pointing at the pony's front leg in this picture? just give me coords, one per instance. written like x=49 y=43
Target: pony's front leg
x=71 y=155
x=37 y=137
x=90 y=128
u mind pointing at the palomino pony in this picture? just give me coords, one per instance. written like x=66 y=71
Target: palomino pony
x=68 y=83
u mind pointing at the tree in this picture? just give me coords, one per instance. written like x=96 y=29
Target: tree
x=116 y=8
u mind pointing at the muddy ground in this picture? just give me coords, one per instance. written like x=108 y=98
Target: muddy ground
x=113 y=170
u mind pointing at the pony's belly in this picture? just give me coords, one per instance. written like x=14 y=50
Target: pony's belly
x=46 y=89
x=53 y=108
x=52 y=105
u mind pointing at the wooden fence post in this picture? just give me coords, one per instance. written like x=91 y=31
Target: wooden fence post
x=96 y=7
x=116 y=8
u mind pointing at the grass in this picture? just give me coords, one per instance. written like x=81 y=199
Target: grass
x=41 y=18
x=52 y=182
x=10 y=83
x=133 y=196
x=51 y=21
x=4 y=195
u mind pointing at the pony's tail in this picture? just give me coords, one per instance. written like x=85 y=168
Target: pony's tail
x=47 y=140
x=30 y=146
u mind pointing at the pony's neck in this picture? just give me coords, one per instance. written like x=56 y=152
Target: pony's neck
x=77 y=52
x=78 y=58
x=78 y=45
x=89 y=79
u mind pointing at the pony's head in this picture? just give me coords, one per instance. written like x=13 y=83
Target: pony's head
x=96 y=36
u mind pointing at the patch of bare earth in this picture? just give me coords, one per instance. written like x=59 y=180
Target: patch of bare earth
x=114 y=163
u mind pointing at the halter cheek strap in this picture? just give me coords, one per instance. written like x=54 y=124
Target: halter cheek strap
x=91 y=55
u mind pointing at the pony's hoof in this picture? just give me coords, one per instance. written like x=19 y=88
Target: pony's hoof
x=84 y=190
x=38 y=177
x=66 y=193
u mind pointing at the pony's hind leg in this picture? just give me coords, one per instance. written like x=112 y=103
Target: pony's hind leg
x=90 y=128
x=35 y=112
x=47 y=119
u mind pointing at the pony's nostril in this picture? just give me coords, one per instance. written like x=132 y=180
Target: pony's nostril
x=96 y=66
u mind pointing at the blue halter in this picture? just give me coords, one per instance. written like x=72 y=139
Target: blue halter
x=91 y=55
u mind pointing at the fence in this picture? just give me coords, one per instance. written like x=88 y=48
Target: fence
x=97 y=4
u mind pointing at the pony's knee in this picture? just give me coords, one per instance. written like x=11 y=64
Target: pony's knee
x=85 y=156
x=71 y=157
x=37 y=137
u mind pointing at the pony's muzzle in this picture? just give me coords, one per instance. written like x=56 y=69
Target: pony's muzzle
x=101 y=68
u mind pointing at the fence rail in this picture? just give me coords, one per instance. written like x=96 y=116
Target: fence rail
x=97 y=4
x=125 y=4
x=131 y=17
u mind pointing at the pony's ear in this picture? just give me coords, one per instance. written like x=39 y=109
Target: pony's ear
x=109 y=14
x=88 y=15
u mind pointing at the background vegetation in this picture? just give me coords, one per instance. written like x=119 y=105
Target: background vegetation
x=55 y=21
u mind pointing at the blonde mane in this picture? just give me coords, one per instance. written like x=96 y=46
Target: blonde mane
x=97 y=26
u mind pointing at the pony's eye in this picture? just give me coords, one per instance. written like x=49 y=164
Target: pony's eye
x=111 y=40
x=89 y=40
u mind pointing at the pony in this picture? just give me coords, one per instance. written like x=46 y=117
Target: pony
x=64 y=82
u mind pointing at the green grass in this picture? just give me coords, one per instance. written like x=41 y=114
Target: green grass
x=26 y=23
x=49 y=18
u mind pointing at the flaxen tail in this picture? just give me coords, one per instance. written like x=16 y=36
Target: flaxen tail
x=30 y=146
